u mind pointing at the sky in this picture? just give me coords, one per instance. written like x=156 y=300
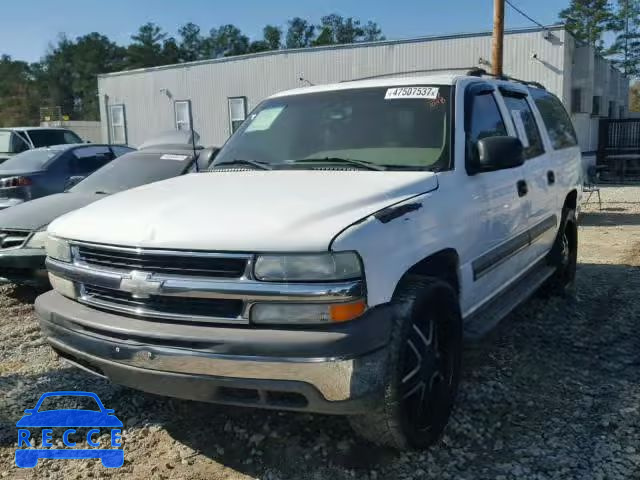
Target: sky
x=29 y=26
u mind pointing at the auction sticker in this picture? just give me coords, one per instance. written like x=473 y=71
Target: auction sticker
x=171 y=156
x=397 y=93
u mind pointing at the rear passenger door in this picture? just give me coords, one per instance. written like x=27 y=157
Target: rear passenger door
x=539 y=172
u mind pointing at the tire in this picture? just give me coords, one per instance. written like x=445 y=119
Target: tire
x=564 y=256
x=423 y=367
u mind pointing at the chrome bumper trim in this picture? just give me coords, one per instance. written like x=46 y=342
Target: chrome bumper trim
x=335 y=379
x=241 y=289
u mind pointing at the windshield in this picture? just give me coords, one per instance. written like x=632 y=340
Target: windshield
x=132 y=170
x=46 y=138
x=31 y=160
x=397 y=127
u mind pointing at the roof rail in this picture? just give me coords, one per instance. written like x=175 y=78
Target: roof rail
x=481 y=72
x=421 y=70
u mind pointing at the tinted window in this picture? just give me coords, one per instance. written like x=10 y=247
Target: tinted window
x=358 y=124
x=89 y=159
x=31 y=160
x=486 y=120
x=46 y=138
x=132 y=170
x=525 y=124
x=118 y=150
x=556 y=119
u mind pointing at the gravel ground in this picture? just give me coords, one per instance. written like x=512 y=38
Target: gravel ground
x=553 y=392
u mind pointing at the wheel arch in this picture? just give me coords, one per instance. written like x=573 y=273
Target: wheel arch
x=443 y=264
x=571 y=200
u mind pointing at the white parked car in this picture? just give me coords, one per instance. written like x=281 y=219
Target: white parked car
x=20 y=139
x=346 y=240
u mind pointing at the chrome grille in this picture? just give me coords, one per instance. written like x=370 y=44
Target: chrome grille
x=163 y=262
x=13 y=238
x=158 y=306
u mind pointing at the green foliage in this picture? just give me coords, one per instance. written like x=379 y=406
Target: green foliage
x=634 y=97
x=300 y=33
x=588 y=20
x=624 y=52
x=66 y=76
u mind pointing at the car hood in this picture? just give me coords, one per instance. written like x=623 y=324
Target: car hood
x=38 y=213
x=69 y=418
x=242 y=211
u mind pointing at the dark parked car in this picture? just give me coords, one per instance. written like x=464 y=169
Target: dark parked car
x=44 y=171
x=19 y=139
x=23 y=227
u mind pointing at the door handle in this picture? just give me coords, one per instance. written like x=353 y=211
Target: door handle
x=522 y=188
x=551 y=177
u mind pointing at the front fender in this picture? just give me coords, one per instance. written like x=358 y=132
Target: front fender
x=390 y=242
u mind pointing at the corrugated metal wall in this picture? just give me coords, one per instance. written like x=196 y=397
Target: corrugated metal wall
x=209 y=84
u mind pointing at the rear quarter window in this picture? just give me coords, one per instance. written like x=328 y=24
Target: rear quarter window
x=556 y=119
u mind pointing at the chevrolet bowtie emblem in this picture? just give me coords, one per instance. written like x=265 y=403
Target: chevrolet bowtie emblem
x=140 y=284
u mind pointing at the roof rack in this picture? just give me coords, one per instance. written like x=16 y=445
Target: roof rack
x=422 y=70
x=481 y=72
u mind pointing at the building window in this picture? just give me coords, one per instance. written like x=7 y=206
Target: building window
x=118 y=124
x=237 y=112
x=576 y=100
x=183 y=114
x=621 y=111
x=612 y=109
x=595 y=107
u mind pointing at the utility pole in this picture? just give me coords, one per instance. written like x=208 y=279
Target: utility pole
x=498 y=37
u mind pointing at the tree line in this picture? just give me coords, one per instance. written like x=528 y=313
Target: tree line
x=590 y=20
x=66 y=75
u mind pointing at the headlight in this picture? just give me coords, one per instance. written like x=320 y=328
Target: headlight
x=306 y=314
x=37 y=240
x=308 y=267
x=58 y=249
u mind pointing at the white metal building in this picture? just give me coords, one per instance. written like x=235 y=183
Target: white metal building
x=219 y=93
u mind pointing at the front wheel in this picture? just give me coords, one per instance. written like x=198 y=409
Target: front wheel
x=423 y=367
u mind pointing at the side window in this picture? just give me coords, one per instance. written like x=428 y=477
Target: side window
x=484 y=121
x=18 y=144
x=555 y=118
x=119 y=151
x=525 y=124
x=89 y=159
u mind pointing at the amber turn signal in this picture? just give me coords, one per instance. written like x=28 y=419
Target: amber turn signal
x=343 y=312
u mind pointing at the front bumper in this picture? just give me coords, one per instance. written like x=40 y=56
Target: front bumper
x=23 y=265
x=338 y=369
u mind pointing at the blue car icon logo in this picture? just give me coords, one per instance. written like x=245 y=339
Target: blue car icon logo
x=96 y=420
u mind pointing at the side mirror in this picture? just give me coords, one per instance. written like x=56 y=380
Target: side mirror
x=73 y=181
x=497 y=153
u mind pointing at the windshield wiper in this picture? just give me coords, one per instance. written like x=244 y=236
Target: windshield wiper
x=350 y=161
x=253 y=163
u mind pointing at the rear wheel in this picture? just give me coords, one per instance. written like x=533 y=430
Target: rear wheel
x=564 y=256
x=423 y=368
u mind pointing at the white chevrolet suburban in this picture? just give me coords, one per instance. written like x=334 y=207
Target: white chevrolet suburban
x=345 y=241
